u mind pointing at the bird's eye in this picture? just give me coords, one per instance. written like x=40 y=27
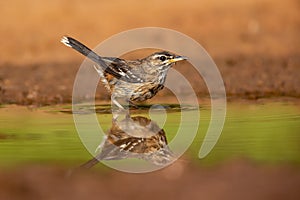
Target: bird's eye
x=162 y=58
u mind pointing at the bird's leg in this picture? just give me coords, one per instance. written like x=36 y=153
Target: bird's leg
x=120 y=110
x=133 y=105
x=115 y=102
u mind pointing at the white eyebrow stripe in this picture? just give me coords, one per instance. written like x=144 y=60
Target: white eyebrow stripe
x=159 y=55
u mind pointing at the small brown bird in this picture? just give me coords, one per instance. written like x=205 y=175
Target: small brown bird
x=132 y=80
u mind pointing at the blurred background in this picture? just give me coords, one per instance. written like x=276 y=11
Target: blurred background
x=255 y=44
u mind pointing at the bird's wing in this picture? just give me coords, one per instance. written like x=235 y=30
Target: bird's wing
x=121 y=67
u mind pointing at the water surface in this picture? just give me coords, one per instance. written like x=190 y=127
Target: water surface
x=262 y=132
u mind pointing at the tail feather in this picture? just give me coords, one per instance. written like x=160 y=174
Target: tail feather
x=84 y=50
x=81 y=48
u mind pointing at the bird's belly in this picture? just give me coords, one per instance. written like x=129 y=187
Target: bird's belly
x=145 y=92
x=136 y=92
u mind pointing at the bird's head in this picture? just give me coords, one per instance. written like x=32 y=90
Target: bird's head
x=163 y=60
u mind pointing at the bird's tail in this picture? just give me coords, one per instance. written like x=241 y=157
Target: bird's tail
x=81 y=48
x=84 y=50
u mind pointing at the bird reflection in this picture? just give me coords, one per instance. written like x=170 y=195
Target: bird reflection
x=134 y=137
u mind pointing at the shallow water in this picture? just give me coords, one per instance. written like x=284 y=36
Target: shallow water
x=262 y=132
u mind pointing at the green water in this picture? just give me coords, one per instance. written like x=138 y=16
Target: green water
x=267 y=133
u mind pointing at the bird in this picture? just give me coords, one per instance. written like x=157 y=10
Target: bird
x=130 y=80
x=134 y=137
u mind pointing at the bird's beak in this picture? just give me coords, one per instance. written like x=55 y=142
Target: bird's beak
x=178 y=58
